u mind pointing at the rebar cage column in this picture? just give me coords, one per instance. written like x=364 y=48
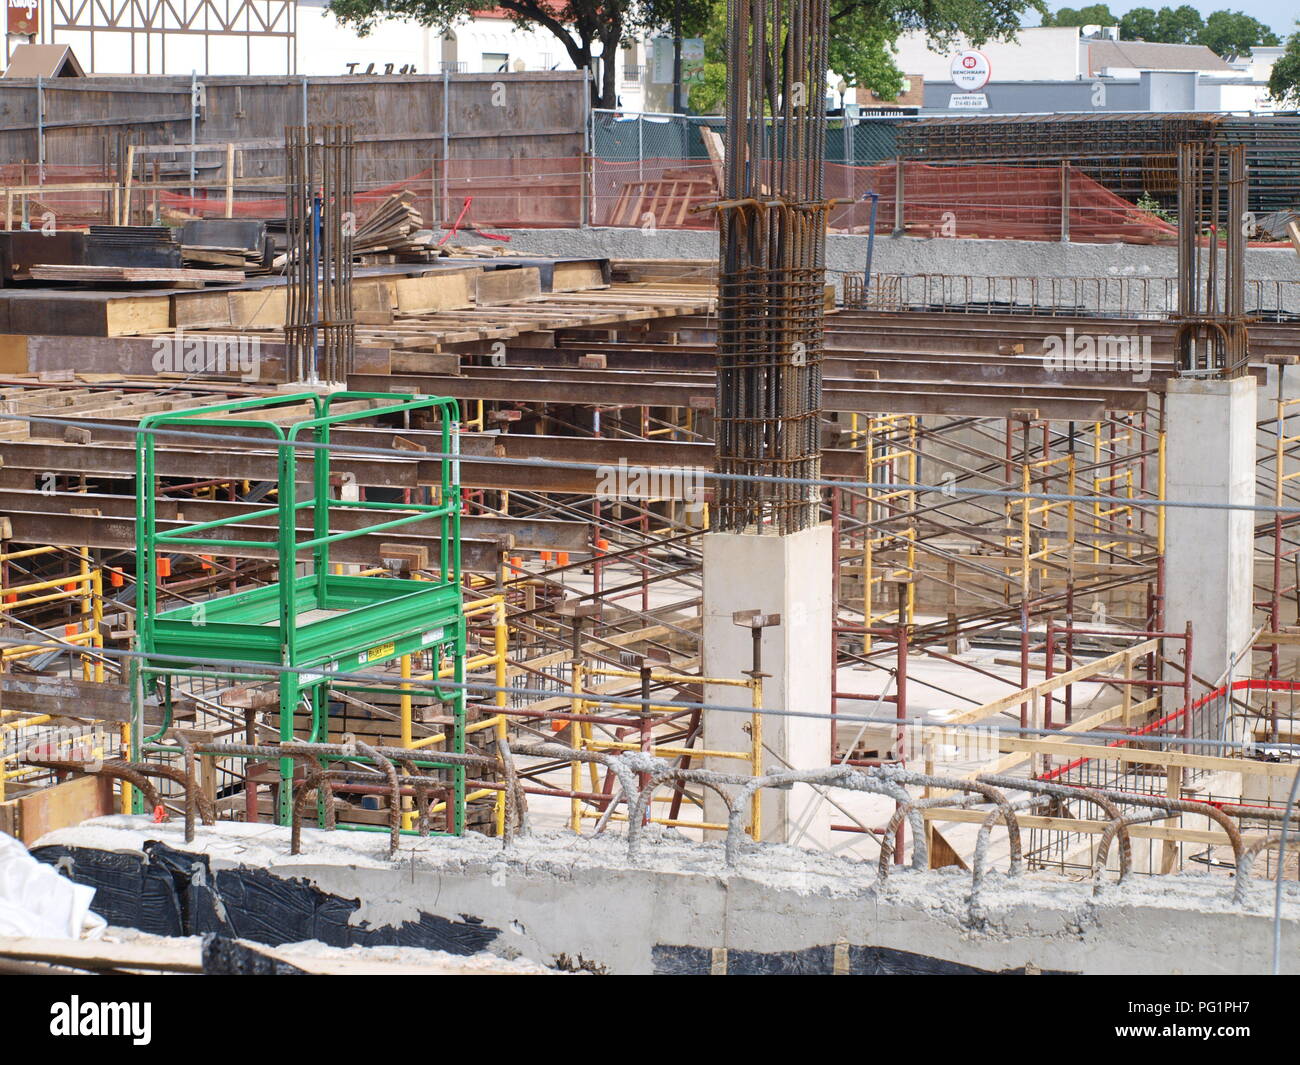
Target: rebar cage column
x=772 y=223
x=319 y=330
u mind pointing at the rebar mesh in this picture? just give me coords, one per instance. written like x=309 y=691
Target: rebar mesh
x=1213 y=337
x=319 y=331
x=772 y=225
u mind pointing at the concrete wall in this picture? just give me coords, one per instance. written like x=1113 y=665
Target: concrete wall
x=909 y=255
x=681 y=909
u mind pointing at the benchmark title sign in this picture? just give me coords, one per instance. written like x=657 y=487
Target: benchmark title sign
x=970 y=70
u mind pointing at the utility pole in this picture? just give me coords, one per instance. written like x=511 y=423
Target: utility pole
x=677 y=57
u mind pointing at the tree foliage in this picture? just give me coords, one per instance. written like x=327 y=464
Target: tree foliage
x=1092 y=15
x=1284 y=83
x=862 y=36
x=1224 y=32
x=1234 y=33
x=861 y=40
x=587 y=29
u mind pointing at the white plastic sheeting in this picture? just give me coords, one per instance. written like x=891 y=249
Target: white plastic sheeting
x=36 y=901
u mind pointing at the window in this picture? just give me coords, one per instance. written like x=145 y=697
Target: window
x=495 y=62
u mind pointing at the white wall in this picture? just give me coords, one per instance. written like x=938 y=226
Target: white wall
x=326 y=47
x=1039 y=54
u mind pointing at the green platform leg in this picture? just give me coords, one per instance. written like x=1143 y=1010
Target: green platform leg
x=289 y=694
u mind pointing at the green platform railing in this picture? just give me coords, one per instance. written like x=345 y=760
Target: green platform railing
x=314 y=624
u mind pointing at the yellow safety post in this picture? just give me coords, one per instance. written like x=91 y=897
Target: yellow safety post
x=405 y=702
x=575 y=768
x=756 y=757
x=883 y=467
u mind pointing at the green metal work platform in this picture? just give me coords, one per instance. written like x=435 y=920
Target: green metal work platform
x=320 y=627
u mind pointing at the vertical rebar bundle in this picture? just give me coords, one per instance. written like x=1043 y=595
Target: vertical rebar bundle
x=319 y=330
x=772 y=225
x=1212 y=338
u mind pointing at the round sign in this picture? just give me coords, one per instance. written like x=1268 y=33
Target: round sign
x=970 y=71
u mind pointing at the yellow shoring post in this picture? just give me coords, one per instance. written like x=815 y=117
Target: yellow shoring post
x=575 y=768
x=868 y=577
x=1160 y=481
x=1070 y=530
x=501 y=643
x=97 y=621
x=407 y=738
x=501 y=639
x=500 y=810
x=756 y=757
x=1024 y=532
x=1096 y=491
x=84 y=607
x=911 y=523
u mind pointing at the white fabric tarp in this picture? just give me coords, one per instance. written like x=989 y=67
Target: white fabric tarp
x=36 y=901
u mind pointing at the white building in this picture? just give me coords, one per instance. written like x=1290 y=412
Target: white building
x=277 y=37
x=1070 y=68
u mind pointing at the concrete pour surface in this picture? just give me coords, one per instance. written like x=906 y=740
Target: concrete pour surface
x=553 y=894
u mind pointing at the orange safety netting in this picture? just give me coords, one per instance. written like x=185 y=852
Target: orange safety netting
x=974 y=200
x=990 y=201
x=653 y=193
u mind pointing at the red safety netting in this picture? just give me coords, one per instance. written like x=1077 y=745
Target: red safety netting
x=506 y=192
x=991 y=201
x=653 y=193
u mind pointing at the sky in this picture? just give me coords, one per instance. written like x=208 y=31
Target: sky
x=1281 y=15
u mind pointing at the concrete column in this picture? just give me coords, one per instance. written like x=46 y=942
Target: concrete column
x=790 y=576
x=1209 y=554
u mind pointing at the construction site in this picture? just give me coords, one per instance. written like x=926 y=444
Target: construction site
x=442 y=531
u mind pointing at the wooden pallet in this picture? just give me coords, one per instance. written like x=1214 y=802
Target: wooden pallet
x=134 y=274
x=667 y=200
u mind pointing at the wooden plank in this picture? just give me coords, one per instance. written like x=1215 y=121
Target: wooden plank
x=437 y=291
x=200 y=309
x=1034 y=691
x=493 y=287
x=63 y=805
x=255 y=308
x=40 y=272
x=96 y=954
x=1125 y=754
x=1071 y=824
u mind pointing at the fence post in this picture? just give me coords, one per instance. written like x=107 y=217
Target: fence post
x=40 y=130
x=1065 y=202
x=589 y=151
x=899 y=229
x=446 y=144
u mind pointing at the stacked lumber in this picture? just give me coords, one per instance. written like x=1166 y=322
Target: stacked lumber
x=668 y=200
x=665 y=271
x=227 y=242
x=395 y=226
x=130 y=274
x=131 y=246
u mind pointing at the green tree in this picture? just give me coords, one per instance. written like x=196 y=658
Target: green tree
x=1234 y=33
x=1284 y=82
x=861 y=39
x=1138 y=25
x=586 y=28
x=862 y=36
x=1092 y=15
x=1180 y=25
